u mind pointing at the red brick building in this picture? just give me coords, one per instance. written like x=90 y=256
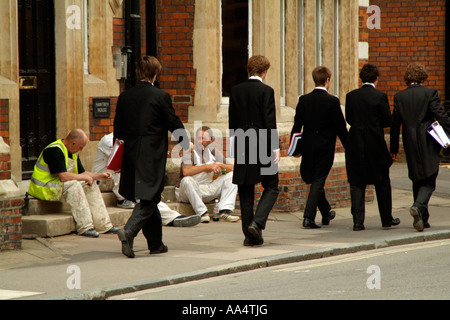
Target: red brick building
x=411 y=31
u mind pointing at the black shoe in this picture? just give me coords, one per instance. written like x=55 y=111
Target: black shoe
x=393 y=222
x=326 y=220
x=91 y=233
x=113 y=230
x=248 y=242
x=418 y=222
x=310 y=224
x=162 y=249
x=186 y=221
x=256 y=232
x=358 y=227
x=426 y=225
x=127 y=243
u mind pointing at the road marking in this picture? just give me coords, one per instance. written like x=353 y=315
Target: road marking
x=366 y=256
x=13 y=294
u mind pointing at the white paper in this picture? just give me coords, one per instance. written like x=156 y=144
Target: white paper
x=438 y=133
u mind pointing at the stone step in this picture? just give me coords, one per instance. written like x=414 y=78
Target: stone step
x=54 y=218
x=58 y=223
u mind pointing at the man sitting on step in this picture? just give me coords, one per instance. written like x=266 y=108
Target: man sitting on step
x=59 y=175
x=198 y=185
x=169 y=217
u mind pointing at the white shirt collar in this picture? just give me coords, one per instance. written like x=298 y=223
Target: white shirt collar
x=369 y=84
x=321 y=88
x=256 y=78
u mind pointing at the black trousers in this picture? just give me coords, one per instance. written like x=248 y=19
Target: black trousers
x=317 y=199
x=146 y=216
x=265 y=205
x=422 y=191
x=383 y=191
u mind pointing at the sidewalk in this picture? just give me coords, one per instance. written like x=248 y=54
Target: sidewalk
x=40 y=269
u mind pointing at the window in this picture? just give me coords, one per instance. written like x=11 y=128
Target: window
x=319 y=18
x=301 y=69
x=283 y=53
x=236 y=43
x=86 y=35
x=336 y=47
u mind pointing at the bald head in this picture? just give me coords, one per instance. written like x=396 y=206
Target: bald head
x=76 y=140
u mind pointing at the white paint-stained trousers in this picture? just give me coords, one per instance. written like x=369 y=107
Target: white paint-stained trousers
x=197 y=194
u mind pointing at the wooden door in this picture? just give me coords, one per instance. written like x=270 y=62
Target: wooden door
x=37 y=79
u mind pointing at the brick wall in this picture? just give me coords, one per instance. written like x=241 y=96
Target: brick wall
x=4 y=120
x=101 y=126
x=10 y=211
x=411 y=31
x=175 y=28
x=11 y=223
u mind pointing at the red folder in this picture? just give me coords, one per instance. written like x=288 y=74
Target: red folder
x=115 y=158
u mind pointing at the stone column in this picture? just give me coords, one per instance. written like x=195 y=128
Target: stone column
x=9 y=80
x=69 y=50
x=207 y=60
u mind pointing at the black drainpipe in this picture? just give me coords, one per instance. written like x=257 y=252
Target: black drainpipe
x=446 y=153
x=132 y=39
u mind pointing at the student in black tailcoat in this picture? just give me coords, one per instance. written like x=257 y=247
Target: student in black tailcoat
x=415 y=109
x=367 y=156
x=252 y=122
x=144 y=115
x=320 y=117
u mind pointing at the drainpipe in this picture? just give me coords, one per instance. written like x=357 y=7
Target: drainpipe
x=132 y=38
x=446 y=153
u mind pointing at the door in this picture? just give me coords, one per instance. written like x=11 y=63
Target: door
x=36 y=79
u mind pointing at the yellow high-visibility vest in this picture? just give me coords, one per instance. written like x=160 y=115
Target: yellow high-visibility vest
x=43 y=184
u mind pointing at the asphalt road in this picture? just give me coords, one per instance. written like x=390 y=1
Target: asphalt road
x=384 y=274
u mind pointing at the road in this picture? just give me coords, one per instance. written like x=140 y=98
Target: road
x=410 y=272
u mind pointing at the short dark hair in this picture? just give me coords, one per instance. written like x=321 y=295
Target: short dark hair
x=415 y=72
x=147 y=68
x=257 y=65
x=369 y=73
x=320 y=75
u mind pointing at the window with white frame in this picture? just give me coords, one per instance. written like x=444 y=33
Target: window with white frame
x=86 y=35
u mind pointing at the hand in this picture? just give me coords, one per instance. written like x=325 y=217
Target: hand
x=107 y=176
x=394 y=157
x=88 y=179
x=277 y=156
x=216 y=168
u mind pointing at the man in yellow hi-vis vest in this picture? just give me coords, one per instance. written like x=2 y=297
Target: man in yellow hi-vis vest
x=60 y=176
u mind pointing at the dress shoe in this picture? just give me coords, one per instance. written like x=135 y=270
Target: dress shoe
x=310 y=224
x=91 y=233
x=426 y=225
x=418 y=222
x=127 y=243
x=256 y=232
x=162 y=249
x=326 y=220
x=113 y=230
x=393 y=222
x=249 y=242
x=186 y=221
x=358 y=227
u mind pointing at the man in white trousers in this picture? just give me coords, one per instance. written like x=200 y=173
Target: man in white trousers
x=198 y=185
x=169 y=217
